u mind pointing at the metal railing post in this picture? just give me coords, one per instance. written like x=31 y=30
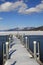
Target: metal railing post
x=35 y=56
x=9 y=41
x=26 y=42
x=7 y=50
x=22 y=38
x=38 y=50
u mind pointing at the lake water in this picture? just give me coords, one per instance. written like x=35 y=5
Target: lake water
x=38 y=38
x=3 y=39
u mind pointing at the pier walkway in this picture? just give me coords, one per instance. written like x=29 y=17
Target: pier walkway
x=19 y=55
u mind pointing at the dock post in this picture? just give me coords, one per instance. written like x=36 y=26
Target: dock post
x=9 y=41
x=38 y=50
x=35 y=56
x=22 y=39
x=26 y=42
x=7 y=50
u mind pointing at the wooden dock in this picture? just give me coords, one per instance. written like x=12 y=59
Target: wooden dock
x=19 y=55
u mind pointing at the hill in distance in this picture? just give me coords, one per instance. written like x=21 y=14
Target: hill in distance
x=27 y=29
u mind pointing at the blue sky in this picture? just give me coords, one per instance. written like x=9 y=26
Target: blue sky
x=21 y=13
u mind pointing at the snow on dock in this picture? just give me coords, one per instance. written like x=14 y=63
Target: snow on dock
x=19 y=55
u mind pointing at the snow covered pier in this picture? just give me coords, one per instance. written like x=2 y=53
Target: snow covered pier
x=18 y=55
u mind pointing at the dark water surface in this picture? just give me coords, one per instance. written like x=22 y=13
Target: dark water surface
x=3 y=39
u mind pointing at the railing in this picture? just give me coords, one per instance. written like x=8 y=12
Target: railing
x=36 y=55
x=36 y=47
x=7 y=44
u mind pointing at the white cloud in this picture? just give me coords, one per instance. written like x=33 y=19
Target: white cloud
x=1 y=18
x=21 y=7
x=37 y=9
x=8 y=6
x=5 y=7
